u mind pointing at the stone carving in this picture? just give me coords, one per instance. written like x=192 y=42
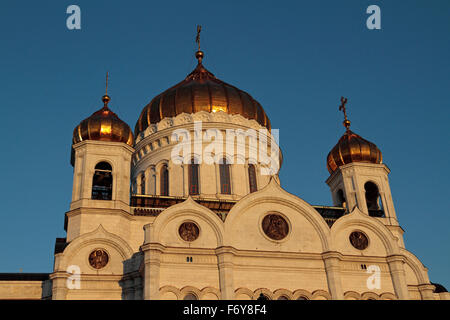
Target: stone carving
x=188 y=231
x=98 y=259
x=359 y=240
x=275 y=227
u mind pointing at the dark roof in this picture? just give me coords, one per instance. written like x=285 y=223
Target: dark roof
x=439 y=288
x=60 y=245
x=24 y=276
x=151 y=205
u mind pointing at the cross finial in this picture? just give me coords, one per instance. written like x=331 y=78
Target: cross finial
x=342 y=108
x=106 y=98
x=199 y=53
x=106 y=92
x=197 y=38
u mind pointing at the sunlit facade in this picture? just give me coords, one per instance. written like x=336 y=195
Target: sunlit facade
x=143 y=226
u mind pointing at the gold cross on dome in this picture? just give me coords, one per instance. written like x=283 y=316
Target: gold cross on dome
x=342 y=108
x=197 y=38
x=106 y=92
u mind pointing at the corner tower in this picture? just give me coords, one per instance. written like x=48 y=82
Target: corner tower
x=358 y=176
x=101 y=156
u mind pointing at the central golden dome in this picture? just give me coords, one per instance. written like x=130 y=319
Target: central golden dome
x=201 y=91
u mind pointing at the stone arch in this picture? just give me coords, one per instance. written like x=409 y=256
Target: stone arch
x=160 y=164
x=282 y=293
x=388 y=296
x=273 y=193
x=350 y=295
x=190 y=289
x=301 y=293
x=98 y=236
x=208 y=292
x=243 y=292
x=218 y=157
x=416 y=266
x=357 y=218
x=170 y=289
x=372 y=190
x=370 y=295
x=188 y=157
x=191 y=209
x=264 y=291
x=321 y=295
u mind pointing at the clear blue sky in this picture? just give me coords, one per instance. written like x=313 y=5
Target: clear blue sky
x=297 y=58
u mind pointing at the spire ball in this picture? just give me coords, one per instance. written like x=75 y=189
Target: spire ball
x=199 y=55
x=346 y=123
x=106 y=99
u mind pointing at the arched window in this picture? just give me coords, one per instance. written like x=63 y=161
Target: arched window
x=193 y=177
x=252 y=178
x=225 y=181
x=372 y=196
x=341 y=199
x=143 y=183
x=283 y=298
x=262 y=297
x=190 y=296
x=373 y=200
x=164 y=181
x=302 y=298
x=102 y=182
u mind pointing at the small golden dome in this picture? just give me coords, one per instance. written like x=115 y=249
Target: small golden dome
x=352 y=148
x=103 y=125
x=201 y=91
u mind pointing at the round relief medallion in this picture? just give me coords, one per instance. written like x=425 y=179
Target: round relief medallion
x=98 y=258
x=275 y=226
x=359 y=240
x=188 y=231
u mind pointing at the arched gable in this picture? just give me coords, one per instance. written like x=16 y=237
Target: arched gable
x=164 y=228
x=381 y=241
x=309 y=231
x=418 y=269
x=78 y=250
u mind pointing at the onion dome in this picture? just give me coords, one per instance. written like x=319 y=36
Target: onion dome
x=201 y=91
x=352 y=148
x=103 y=125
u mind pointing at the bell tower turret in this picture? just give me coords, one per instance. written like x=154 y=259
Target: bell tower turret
x=359 y=178
x=101 y=156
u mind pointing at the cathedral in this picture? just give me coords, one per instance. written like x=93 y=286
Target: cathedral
x=174 y=211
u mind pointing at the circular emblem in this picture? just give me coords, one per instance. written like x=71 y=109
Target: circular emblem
x=359 y=240
x=98 y=258
x=188 y=231
x=275 y=227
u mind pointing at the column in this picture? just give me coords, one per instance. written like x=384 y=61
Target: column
x=395 y=263
x=225 y=264
x=59 y=285
x=332 y=260
x=426 y=291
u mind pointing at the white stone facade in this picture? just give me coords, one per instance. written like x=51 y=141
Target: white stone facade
x=232 y=258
